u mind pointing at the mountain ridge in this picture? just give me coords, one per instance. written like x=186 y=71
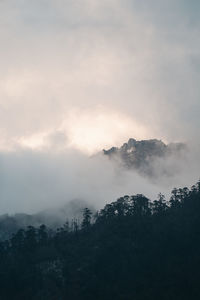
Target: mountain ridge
x=141 y=155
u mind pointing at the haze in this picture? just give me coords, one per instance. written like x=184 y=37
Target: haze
x=80 y=76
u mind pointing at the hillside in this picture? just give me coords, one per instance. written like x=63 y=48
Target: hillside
x=53 y=218
x=131 y=249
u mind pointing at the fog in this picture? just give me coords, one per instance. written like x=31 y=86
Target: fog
x=32 y=181
x=66 y=60
x=80 y=76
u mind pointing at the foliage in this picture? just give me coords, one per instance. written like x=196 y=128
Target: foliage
x=131 y=249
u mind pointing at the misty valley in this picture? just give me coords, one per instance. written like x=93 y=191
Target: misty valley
x=99 y=150
x=135 y=247
x=136 y=165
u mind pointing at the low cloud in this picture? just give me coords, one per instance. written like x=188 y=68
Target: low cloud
x=31 y=181
x=133 y=58
x=86 y=75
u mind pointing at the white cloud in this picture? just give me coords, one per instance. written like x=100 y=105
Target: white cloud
x=56 y=56
x=90 y=73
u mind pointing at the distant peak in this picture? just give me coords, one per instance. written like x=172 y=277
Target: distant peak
x=140 y=154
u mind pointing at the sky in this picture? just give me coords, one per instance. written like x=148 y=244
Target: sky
x=83 y=75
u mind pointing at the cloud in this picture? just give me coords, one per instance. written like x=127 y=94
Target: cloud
x=88 y=72
x=32 y=181
x=131 y=57
x=35 y=180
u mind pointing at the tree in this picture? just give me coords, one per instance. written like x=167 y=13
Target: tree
x=159 y=206
x=140 y=205
x=175 y=199
x=87 y=215
x=42 y=234
x=30 y=238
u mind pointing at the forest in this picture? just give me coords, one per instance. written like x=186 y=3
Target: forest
x=133 y=248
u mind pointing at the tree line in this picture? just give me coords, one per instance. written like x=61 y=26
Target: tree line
x=133 y=248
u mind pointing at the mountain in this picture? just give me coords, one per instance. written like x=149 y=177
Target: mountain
x=142 y=155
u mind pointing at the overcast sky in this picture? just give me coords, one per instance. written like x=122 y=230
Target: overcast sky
x=89 y=74
x=99 y=71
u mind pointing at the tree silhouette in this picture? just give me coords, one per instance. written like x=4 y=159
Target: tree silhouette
x=87 y=215
x=134 y=249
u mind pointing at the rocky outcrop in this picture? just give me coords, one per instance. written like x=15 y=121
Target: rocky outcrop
x=142 y=154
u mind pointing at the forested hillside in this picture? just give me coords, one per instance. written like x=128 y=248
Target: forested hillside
x=132 y=249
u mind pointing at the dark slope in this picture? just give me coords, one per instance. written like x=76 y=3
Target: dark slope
x=135 y=249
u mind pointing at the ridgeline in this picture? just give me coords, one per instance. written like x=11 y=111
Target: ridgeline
x=131 y=249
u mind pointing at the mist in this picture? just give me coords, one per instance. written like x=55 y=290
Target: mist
x=80 y=76
x=33 y=181
x=62 y=61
